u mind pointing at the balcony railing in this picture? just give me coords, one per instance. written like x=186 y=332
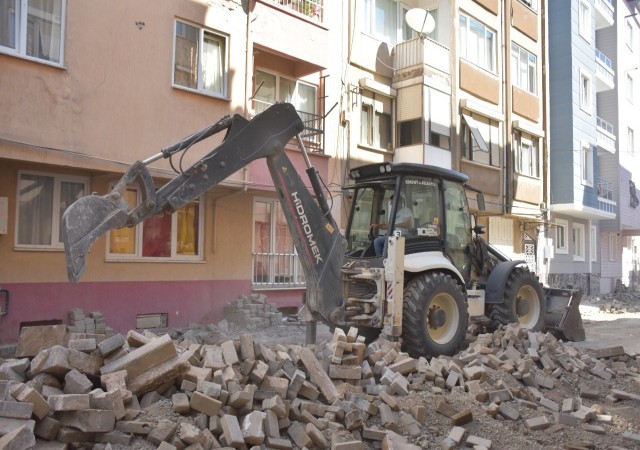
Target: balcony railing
x=605 y=196
x=313 y=9
x=422 y=51
x=604 y=13
x=604 y=72
x=313 y=133
x=606 y=137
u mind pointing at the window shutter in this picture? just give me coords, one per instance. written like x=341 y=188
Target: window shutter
x=410 y=103
x=440 y=109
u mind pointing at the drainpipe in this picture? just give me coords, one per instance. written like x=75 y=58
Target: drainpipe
x=545 y=143
x=248 y=66
x=507 y=101
x=454 y=144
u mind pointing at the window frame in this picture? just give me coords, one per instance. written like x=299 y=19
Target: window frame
x=630 y=141
x=374 y=118
x=465 y=42
x=370 y=22
x=470 y=133
x=593 y=244
x=278 y=78
x=561 y=236
x=20 y=34
x=528 y=85
x=613 y=246
x=531 y=4
x=202 y=32
x=629 y=35
x=629 y=88
x=585 y=23
x=298 y=271
x=586 y=164
x=137 y=256
x=533 y=143
x=578 y=241
x=56 y=216
x=586 y=92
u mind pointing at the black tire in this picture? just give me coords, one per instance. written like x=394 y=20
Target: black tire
x=428 y=299
x=523 y=302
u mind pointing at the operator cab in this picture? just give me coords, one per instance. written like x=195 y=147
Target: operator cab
x=425 y=204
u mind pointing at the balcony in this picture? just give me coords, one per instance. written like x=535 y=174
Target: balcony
x=313 y=9
x=604 y=14
x=605 y=196
x=605 y=75
x=313 y=133
x=606 y=137
x=421 y=52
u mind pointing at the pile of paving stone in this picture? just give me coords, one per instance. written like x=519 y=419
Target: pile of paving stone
x=252 y=311
x=242 y=394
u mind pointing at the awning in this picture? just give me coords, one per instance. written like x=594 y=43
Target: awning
x=482 y=145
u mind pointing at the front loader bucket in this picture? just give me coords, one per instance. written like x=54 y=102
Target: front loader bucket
x=83 y=223
x=563 y=317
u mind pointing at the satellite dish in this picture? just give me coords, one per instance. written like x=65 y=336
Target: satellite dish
x=420 y=21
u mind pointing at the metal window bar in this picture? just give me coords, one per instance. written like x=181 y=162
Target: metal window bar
x=280 y=270
x=605 y=189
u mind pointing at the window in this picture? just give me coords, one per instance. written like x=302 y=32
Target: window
x=593 y=243
x=272 y=88
x=584 y=20
x=527 y=155
x=42 y=199
x=561 y=236
x=533 y=4
x=33 y=29
x=523 y=68
x=578 y=242
x=630 y=141
x=585 y=92
x=480 y=139
x=200 y=60
x=586 y=162
x=477 y=43
x=410 y=132
x=375 y=121
x=629 y=35
x=629 y=88
x=439 y=140
x=613 y=246
x=176 y=237
x=381 y=20
x=275 y=262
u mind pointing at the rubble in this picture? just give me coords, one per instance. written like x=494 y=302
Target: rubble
x=342 y=394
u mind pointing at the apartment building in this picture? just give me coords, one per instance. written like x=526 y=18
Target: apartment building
x=622 y=105
x=88 y=88
x=593 y=48
x=467 y=95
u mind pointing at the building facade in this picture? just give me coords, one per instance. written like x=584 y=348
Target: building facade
x=79 y=108
x=592 y=144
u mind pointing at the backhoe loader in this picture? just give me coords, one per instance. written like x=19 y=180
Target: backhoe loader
x=431 y=276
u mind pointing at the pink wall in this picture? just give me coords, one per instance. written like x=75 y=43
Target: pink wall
x=185 y=302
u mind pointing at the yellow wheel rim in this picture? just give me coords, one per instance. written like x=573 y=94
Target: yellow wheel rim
x=443 y=317
x=527 y=306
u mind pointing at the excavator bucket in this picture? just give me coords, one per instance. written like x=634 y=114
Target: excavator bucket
x=83 y=223
x=563 y=317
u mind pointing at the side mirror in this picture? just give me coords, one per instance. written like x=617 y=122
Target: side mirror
x=480 y=201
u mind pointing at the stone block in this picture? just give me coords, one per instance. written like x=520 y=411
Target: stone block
x=22 y=438
x=142 y=359
x=162 y=432
x=160 y=374
x=69 y=402
x=318 y=375
x=205 y=404
x=111 y=344
x=253 y=429
x=15 y=410
x=509 y=412
x=88 y=420
x=231 y=431
x=538 y=423
x=464 y=416
x=298 y=434
x=77 y=383
x=33 y=340
x=180 y=402
x=27 y=394
x=47 y=428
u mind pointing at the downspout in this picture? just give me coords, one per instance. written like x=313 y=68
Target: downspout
x=248 y=66
x=455 y=144
x=545 y=142
x=507 y=12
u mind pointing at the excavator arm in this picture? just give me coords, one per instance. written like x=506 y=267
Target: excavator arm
x=319 y=244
